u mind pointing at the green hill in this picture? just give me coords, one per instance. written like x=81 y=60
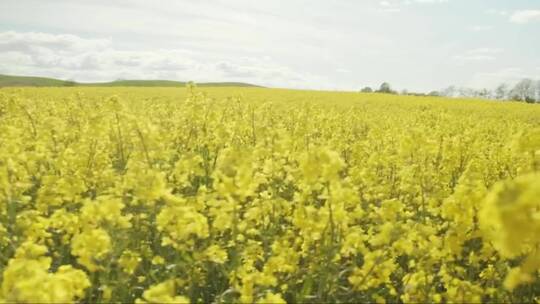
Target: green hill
x=24 y=81
x=135 y=83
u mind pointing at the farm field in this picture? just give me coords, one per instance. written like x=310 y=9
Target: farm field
x=217 y=195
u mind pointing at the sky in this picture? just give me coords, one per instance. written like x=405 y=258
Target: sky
x=418 y=45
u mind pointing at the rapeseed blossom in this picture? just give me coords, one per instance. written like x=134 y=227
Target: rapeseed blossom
x=266 y=196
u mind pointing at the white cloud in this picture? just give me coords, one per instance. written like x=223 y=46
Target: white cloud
x=525 y=16
x=342 y=70
x=475 y=57
x=389 y=6
x=16 y=41
x=397 y=3
x=390 y=10
x=429 y=1
x=481 y=28
x=484 y=51
x=497 y=12
x=394 y=6
x=70 y=56
x=479 y=54
x=510 y=75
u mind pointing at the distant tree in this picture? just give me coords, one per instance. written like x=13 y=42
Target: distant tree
x=466 y=92
x=529 y=99
x=483 y=93
x=451 y=91
x=367 y=90
x=434 y=93
x=538 y=91
x=525 y=90
x=385 y=88
x=501 y=92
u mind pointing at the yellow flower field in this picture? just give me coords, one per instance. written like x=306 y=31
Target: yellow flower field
x=212 y=195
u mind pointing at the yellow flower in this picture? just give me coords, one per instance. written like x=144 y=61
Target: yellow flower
x=106 y=293
x=162 y=293
x=181 y=225
x=510 y=215
x=90 y=246
x=375 y=271
x=269 y=297
x=516 y=276
x=30 y=250
x=129 y=261
x=158 y=260
x=26 y=280
x=104 y=209
x=215 y=254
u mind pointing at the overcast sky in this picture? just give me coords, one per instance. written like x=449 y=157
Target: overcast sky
x=341 y=44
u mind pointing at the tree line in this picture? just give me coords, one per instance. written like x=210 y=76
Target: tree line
x=526 y=90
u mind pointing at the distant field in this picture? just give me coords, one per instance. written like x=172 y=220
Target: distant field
x=244 y=195
x=22 y=81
